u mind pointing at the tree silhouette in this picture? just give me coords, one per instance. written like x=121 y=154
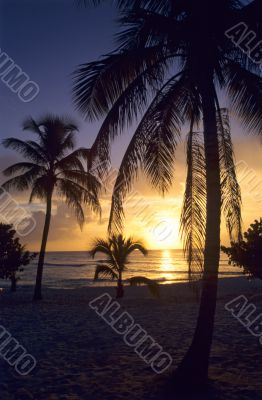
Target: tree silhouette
x=247 y=253
x=172 y=60
x=13 y=256
x=52 y=169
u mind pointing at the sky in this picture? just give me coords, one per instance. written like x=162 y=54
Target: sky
x=48 y=39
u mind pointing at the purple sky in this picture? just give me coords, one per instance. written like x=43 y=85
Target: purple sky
x=48 y=39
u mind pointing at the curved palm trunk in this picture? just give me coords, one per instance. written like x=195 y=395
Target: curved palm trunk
x=120 y=287
x=194 y=367
x=39 y=275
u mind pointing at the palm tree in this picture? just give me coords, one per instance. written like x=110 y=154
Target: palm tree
x=52 y=168
x=172 y=62
x=117 y=250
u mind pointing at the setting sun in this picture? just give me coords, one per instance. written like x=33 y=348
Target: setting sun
x=164 y=233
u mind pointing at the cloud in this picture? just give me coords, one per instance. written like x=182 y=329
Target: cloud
x=64 y=233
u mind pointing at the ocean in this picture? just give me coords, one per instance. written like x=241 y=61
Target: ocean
x=75 y=269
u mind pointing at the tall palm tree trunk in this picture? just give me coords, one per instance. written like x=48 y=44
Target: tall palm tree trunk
x=39 y=275
x=194 y=367
x=120 y=287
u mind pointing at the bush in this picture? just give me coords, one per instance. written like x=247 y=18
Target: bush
x=13 y=256
x=248 y=253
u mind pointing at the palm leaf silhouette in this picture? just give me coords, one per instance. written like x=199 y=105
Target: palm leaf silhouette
x=104 y=271
x=153 y=286
x=193 y=217
x=231 y=195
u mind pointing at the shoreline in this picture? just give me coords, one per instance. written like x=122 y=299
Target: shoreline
x=226 y=285
x=74 y=284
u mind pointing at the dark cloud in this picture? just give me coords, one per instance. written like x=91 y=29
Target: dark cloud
x=63 y=227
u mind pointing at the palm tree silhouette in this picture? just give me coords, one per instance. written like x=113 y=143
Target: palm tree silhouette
x=52 y=168
x=118 y=249
x=172 y=60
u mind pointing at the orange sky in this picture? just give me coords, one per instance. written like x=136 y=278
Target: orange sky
x=148 y=215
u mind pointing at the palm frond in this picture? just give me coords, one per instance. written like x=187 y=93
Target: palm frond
x=52 y=122
x=71 y=161
x=153 y=145
x=98 y=85
x=193 y=215
x=231 y=194
x=93 y=202
x=72 y=194
x=100 y=246
x=133 y=245
x=39 y=189
x=24 y=148
x=156 y=5
x=68 y=142
x=152 y=285
x=40 y=149
x=127 y=173
x=164 y=127
x=148 y=27
x=104 y=271
x=127 y=108
x=245 y=91
x=86 y=3
x=31 y=125
x=22 y=167
x=87 y=186
x=84 y=155
x=24 y=181
x=83 y=178
x=57 y=136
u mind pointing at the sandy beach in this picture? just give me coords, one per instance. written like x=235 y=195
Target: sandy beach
x=130 y=191
x=80 y=357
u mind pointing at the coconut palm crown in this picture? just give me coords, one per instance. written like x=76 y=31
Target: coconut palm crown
x=52 y=167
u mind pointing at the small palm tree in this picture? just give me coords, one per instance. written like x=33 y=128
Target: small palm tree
x=52 y=168
x=117 y=249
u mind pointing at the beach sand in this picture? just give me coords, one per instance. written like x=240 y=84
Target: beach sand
x=80 y=357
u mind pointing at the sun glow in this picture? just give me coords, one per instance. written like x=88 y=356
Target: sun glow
x=167 y=267
x=166 y=262
x=164 y=234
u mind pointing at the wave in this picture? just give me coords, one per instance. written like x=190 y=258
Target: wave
x=165 y=279
x=137 y=270
x=51 y=264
